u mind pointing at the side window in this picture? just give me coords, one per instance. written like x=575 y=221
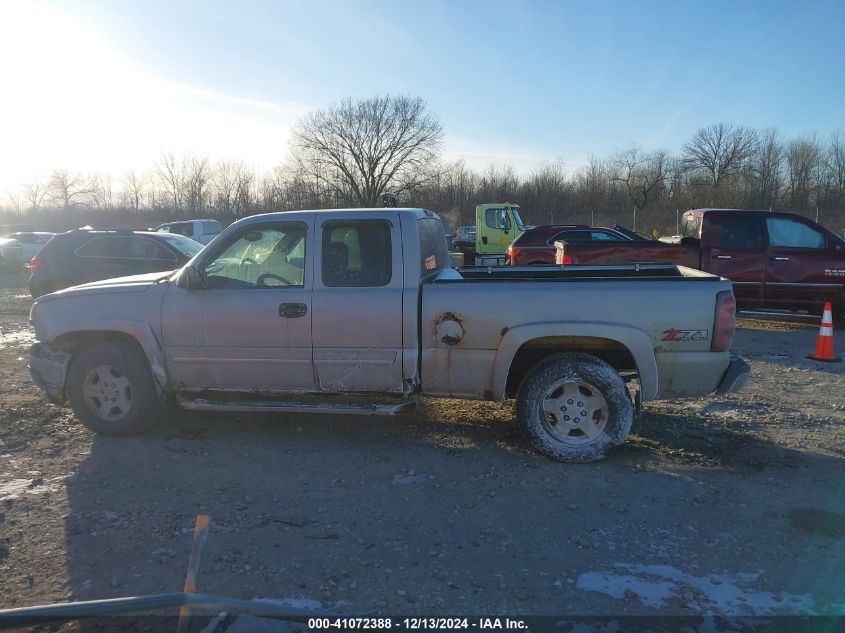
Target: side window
x=183 y=228
x=497 y=219
x=738 y=231
x=356 y=253
x=571 y=236
x=145 y=248
x=211 y=227
x=104 y=246
x=601 y=235
x=785 y=232
x=261 y=256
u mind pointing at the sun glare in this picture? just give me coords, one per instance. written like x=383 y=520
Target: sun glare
x=71 y=99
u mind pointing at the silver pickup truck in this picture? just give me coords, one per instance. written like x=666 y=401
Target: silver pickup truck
x=358 y=311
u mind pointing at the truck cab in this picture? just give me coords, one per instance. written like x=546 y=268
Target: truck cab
x=498 y=224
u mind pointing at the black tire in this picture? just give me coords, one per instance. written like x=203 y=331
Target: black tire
x=124 y=360
x=594 y=382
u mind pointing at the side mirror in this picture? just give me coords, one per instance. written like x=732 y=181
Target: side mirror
x=193 y=278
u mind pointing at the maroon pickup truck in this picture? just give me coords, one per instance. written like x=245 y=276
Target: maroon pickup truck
x=775 y=260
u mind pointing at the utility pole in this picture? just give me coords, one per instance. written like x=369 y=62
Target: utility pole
x=635 y=218
x=677 y=222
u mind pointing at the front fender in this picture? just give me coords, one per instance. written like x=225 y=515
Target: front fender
x=140 y=331
x=635 y=340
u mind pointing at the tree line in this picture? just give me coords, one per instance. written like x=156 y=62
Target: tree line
x=352 y=153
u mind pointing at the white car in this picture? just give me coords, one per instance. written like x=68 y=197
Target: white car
x=202 y=231
x=30 y=242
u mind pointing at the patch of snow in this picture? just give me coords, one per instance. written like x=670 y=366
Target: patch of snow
x=298 y=603
x=17 y=338
x=713 y=594
x=14 y=488
x=404 y=480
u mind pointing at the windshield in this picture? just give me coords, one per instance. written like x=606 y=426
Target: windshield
x=517 y=218
x=184 y=245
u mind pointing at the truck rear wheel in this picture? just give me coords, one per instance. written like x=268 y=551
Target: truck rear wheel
x=574 y=407
x=111 y=391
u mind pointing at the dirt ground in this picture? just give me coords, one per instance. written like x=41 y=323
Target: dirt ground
x=725 y=505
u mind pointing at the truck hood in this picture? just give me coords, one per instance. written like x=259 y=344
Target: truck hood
x=133 y=283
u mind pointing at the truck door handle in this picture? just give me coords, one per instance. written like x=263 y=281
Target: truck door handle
x=483 y=239
x=721 y=257
x=778 y=259
x=292 y=310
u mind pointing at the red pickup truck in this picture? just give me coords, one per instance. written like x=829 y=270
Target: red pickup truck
x=775 y=260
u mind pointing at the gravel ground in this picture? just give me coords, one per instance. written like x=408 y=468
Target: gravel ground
x=725 y=505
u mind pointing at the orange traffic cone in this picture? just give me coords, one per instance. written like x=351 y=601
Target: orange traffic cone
x=824 y=344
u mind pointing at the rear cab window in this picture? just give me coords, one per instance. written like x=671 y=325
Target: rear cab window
x=356 y=253
x=434 y=252
x=691 y=226
x=738 y=231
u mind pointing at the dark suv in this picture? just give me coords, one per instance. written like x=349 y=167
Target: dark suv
x=84 y=255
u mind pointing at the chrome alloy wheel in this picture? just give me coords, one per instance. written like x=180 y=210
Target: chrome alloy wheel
x=107 y=392
x=574 y=412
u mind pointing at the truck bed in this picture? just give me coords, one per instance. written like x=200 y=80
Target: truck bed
x=469 y=317
x=645 y=271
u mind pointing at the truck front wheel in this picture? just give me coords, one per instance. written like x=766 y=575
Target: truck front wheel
x=110 y=389
x=574 y=407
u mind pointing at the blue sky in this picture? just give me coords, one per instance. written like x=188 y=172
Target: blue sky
x=513 y=81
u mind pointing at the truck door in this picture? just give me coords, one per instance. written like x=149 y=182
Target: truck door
x=495 y=230
x=357 y=316
x=732 y=247
x=250 y=328
x=801 y=259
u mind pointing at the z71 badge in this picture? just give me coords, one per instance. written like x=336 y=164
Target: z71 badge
x=675 y=336
x=834 y=272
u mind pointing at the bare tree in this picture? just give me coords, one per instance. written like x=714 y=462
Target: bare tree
x=232 y=182
x=133 y=189
x=719 y=150
x=802 y=159
x=835 y=172
x=102 y=193
x=499 y=183
x=34 y=194
x=15 y=201
x=546 y=188
x=171 y=176
x=197 y=174
x=641 y=174
x=767 y=169
x=68 y=189
x=367 y=147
